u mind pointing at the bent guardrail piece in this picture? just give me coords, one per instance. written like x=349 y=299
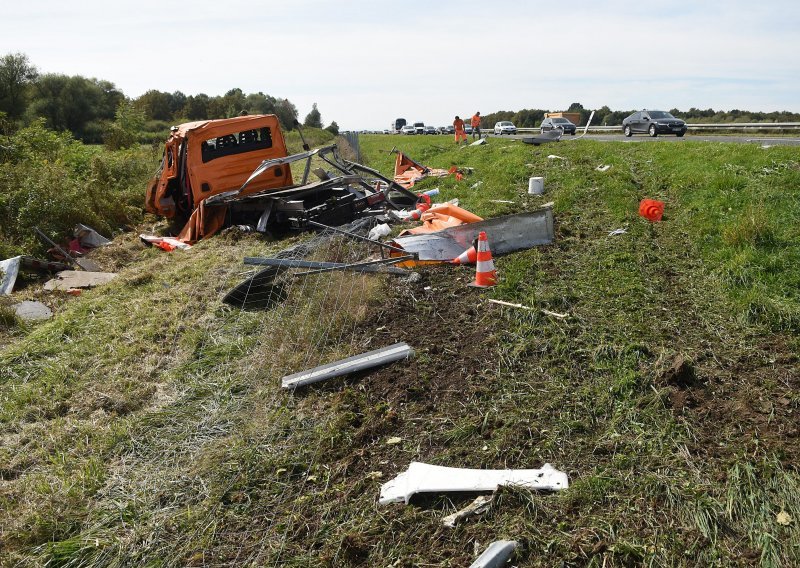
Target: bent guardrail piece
x=425 y=478
x=507 y=234
x=496 y=555
x=368 y=360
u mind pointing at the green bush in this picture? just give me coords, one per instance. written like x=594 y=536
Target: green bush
x=52 y=181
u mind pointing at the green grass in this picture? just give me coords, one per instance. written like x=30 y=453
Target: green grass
x=145 y=425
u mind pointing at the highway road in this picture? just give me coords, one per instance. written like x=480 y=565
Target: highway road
x=761 y=141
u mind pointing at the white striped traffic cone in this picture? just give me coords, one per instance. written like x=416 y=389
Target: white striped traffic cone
x=485 y=274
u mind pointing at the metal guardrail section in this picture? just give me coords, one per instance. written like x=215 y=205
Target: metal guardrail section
x=696 y=126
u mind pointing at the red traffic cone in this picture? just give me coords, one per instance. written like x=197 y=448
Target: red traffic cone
x=469 y=256
x=651 y=209
x=485 y=274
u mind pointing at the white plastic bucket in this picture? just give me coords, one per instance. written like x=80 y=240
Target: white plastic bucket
x=536 y=186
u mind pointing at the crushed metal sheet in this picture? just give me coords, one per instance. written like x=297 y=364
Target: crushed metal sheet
x=425 y=478
x=32 y=311
x=67 y=279
x=479 y=506
x=496 y=555
x=544 y=137
x=368 y=360
x=507 y=234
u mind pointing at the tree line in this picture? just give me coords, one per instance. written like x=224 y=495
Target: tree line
x=95 y=110
x=604 y=116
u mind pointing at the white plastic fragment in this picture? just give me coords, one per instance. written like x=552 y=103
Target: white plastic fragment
x=554 y=157
x=425 y=478
x=495 y=555
x=476 y=185
x=379 y=231
x=9 y=269
x=616 y=232
x=479 y=142
x=603 y=168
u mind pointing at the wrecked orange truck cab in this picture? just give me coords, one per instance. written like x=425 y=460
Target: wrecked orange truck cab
x=208 y=157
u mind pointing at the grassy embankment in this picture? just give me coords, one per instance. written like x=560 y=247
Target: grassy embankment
x=144 y=424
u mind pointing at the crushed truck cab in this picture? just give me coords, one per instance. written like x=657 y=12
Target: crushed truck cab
x=209 y=157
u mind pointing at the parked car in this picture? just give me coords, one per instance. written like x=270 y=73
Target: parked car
x=429 y=130
x=450 y=129
x=420 y=127
x=653 y=122
x=549 y=124
x=505 y=127
x=408 y=129
x=468 y=129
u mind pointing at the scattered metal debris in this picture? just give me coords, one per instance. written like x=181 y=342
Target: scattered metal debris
x=544 y=137
x=425 y=478
x=369 y=360
x=509 y=233
x=83 y=263
x=407 y=172
x=496 y=555
x=479 y=506
x=32 y=311
x=69 y=279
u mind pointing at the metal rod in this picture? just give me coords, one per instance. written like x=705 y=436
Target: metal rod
x=68 y=257
x=359 y=237
x=357 y=265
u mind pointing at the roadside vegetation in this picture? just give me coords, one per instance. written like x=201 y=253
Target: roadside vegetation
x=145 y=424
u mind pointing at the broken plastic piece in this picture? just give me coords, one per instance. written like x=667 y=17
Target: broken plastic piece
x=651 y=209
x=603 y=168
x=368 y=360
x=479 y=506
x=88 y=237
x=425 y=478
x=9 y=269
x=166 y=243
x=496 y=555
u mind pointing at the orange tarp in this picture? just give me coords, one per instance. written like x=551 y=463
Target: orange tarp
x=203 y=223
x=441 y=217
x=407 y=172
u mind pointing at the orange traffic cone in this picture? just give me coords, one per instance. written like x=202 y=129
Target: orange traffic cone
x=485 y=274
x=469 y=256
x=651 y=209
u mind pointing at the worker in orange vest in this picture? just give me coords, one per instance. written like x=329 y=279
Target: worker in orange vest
x=458 y=125
x=476 y=125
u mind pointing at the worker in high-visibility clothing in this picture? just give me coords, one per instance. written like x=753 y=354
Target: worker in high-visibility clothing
x=476 y=125
x=458 y=125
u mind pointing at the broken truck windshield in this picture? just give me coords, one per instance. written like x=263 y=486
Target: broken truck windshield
x=236 y=143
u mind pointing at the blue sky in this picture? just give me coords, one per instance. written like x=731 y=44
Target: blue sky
x=367 y=62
